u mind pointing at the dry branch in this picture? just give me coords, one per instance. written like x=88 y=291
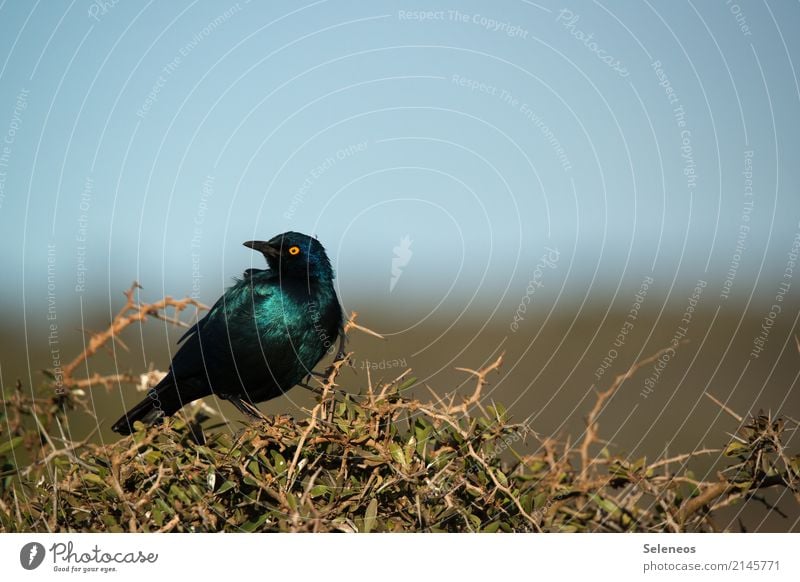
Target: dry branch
x=131 y=312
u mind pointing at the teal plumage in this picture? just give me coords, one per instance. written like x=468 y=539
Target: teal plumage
x=262 y=337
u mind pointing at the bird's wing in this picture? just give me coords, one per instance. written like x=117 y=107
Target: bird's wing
x=199 y=325
x=248 y=273
x=190 y=331
x=208 y=342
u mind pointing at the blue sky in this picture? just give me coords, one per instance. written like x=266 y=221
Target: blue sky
x=147 y=141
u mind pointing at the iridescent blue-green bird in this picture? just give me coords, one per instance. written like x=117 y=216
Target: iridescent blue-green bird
x=261 y=338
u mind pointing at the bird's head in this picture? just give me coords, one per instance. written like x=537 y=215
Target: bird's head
x=294 y=254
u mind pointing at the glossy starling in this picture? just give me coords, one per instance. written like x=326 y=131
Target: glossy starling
x=261 y=338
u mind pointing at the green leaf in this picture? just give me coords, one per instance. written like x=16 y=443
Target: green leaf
x=605 y=504
x=501 y=478
x=278 y=461
x=255 y=468
x=175 y=491
x=499 y=411
x=164 y=507
x=540 y=500
x=318 y=490
x=10 y=445
x=407 y=384
x=398 y=455
x=92 y=478
x=254 y=524
x=735 y=448
x=410 y=447
x=370 y=515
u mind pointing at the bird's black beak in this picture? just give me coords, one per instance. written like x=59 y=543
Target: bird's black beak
x=263 y=247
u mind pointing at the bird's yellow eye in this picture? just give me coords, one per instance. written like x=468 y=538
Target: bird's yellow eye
x=295 y=250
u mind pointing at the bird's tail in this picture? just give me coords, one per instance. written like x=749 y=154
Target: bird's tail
x=162 y=400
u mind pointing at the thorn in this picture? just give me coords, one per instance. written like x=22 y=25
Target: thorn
x=723 y=407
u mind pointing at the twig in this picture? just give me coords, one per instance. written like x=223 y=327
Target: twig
x=351 y=324
x=475 y=397
x=170 y=525
x=590 y=435
x=131 y=312
x=681 y=458
x=723 y=407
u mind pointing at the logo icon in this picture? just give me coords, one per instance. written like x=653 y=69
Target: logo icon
x=402 y=255
x=31 y=555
